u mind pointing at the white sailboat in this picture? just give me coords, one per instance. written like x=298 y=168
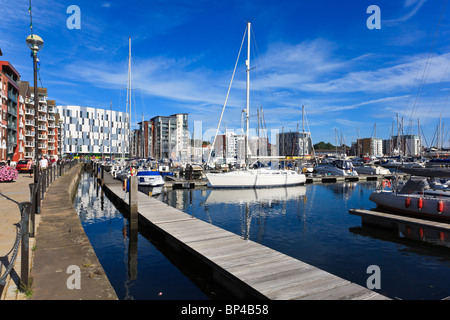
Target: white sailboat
x=253 y=178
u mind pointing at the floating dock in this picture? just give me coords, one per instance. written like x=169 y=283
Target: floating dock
x=413 y=228
x=361 y=177
x=248 y=269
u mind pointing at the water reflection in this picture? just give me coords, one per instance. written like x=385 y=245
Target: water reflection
x=312 y=224
x=136 y=268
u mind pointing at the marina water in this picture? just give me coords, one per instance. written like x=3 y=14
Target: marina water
x=310 y=223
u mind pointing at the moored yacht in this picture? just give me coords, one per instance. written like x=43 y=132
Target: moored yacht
x=337 y=168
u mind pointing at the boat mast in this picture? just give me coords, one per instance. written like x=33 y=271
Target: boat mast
x=303 y=131
x=129 y=96
x=248 y=94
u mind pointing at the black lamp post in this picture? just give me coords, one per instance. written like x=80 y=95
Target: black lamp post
x=35 y=43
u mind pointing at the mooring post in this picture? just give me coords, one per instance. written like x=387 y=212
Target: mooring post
x=134 y=225
x=133 y=196
x=33 y=208
x=25 y=208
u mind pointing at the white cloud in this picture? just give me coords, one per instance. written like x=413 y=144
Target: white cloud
x=408 y=3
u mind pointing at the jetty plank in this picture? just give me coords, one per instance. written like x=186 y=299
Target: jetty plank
x=254 y=267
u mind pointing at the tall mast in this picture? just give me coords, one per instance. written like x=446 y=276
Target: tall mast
x=129 y=96
x=303 y=131
x=248 y=92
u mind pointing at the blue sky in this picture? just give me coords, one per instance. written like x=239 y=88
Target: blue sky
x=319 y=54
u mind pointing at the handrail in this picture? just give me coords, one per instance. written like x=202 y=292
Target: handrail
x=26 y=226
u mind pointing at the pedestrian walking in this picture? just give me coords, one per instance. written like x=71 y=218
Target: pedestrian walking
x=30 y=165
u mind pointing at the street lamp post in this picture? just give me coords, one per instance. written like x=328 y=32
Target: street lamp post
x=35 y=43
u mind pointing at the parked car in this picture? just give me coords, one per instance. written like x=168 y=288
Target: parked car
x=22 y=166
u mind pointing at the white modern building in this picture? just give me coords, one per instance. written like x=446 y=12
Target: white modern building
x=94 y=131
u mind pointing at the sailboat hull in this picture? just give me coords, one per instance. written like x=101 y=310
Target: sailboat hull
x=255 y=179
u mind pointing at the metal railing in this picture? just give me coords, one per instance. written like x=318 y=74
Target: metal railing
x=26 y=227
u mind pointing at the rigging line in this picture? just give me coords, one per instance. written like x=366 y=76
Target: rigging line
x=226 y=99
x=438 y=90
x=143 y=104
x=31 y=19
x=309 y=130
x=256 y=56
x=436 y=33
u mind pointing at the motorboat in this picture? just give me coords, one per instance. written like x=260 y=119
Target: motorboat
x=256 y=178
x=340 y=167
x=416 y=197
x=371 y=169
x=149 y=178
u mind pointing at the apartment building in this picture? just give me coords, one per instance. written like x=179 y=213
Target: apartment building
x=368 y=146
x=10 y=79
x=170 y=137
x=88 y=131
x=294 y=144
x=406 y=145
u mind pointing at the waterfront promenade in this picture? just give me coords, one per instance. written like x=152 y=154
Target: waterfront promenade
x=59 y=249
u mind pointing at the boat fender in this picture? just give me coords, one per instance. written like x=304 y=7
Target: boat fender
x=407 y=202
x=420 y=203
x=305 y=170
x=440 y=206
x=124 y=187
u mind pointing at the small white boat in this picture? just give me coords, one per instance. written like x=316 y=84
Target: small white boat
x=337 y=168
x=148 y=178
x=371 y=169
x=256 y=178
x=416 y=197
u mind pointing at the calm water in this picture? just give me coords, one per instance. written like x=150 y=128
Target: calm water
x=310 y=223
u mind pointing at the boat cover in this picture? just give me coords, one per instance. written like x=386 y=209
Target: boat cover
x=148 y=173
x=414 y=184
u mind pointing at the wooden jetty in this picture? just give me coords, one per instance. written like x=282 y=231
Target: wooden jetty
x=414 y=228
x=246 y=268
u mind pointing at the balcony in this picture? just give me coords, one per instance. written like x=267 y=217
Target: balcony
x=51 y=125
x=42 y=128
x=51 y=110
x=42 y=118
x=51 y=140
x=12 y=110
x=29 y=122
x=29 y=111
x=42 y=146
x=42 y=109
x=12 y=125
x=42 y=136
x=29 y=144
x=29 y=155
x=51 y=133
x=29 y=133
x=51 y=147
